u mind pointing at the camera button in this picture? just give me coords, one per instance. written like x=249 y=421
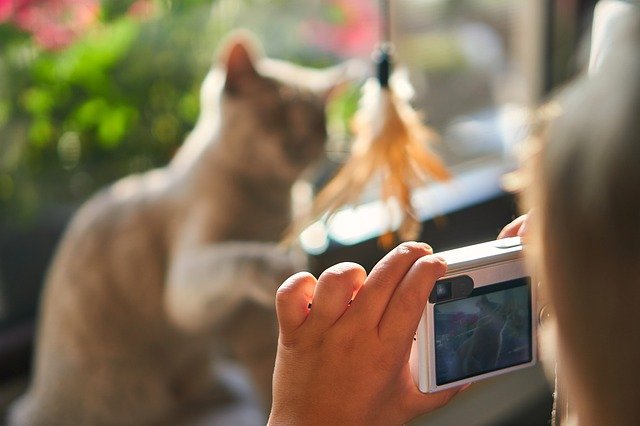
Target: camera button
x=545 y=315
x=505 y=243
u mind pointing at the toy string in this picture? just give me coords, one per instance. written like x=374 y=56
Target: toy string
x=385 y=26
x=382 y=55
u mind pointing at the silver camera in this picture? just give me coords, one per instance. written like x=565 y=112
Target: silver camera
x=480 y=320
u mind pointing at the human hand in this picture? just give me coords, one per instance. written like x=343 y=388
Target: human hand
x=517 y=227
x=347 y=363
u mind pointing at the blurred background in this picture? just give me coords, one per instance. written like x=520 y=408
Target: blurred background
x=91 y=91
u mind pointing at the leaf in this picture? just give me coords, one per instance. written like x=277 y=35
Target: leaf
x=113 y=126
x=41 y=132
x=89 y=114
x=37 y=101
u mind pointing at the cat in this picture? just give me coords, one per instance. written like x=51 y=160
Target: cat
x=479 y=352
x=161 y=270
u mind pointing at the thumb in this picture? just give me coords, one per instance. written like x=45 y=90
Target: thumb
x=427 y=402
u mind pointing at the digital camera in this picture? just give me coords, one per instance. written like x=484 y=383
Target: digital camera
x=480 y=320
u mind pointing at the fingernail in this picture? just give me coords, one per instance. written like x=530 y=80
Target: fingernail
x=523 y=229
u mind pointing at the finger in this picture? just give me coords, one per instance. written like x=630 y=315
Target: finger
x=374 y=296
x=513 y=228
x=522 y=231
x=400 y=320
x=427 y=402
x=292 y=301
x=336 y=286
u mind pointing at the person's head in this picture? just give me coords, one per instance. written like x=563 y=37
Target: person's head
x=586 y=234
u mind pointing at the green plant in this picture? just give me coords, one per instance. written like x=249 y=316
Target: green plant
x=115 y=96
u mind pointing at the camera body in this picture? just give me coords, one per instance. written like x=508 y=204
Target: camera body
x=480 y=320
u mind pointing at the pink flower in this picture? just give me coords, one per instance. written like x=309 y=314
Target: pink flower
x=356 y=34
x=143 y=9
x=6 y=10
x=54 y=24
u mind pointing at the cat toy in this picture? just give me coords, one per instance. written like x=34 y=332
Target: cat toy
x=391 y=144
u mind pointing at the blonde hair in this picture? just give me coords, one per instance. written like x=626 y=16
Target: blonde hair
x=585 y=196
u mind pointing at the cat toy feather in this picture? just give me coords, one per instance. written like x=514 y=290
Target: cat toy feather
x=391 y=144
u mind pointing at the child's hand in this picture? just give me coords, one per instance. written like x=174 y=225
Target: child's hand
x=341 y=363
x=517 y=227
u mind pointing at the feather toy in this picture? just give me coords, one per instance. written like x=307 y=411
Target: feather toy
x=390 y=145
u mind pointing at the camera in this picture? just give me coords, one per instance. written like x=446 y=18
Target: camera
x=480 y=320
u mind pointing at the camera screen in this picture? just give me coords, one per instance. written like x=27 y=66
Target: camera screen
x=487 y=331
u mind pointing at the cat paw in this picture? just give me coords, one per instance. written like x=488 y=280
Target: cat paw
x=271 y=268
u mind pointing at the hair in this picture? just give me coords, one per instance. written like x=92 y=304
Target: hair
x=585 y=201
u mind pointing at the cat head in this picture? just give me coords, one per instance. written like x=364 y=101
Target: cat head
x=269 y=114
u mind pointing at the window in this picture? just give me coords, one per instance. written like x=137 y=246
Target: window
x=114 y=91
x=475 y=67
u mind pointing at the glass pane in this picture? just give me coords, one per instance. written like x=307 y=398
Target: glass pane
x=114 y=91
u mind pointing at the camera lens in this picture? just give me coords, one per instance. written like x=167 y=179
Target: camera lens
x=443 y=290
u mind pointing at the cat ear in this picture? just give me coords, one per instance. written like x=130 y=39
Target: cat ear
x=325 y=82
x=338 y=77
x=238 y=58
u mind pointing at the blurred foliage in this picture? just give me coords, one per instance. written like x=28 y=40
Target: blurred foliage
x=121 y=97
x=117 y=100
